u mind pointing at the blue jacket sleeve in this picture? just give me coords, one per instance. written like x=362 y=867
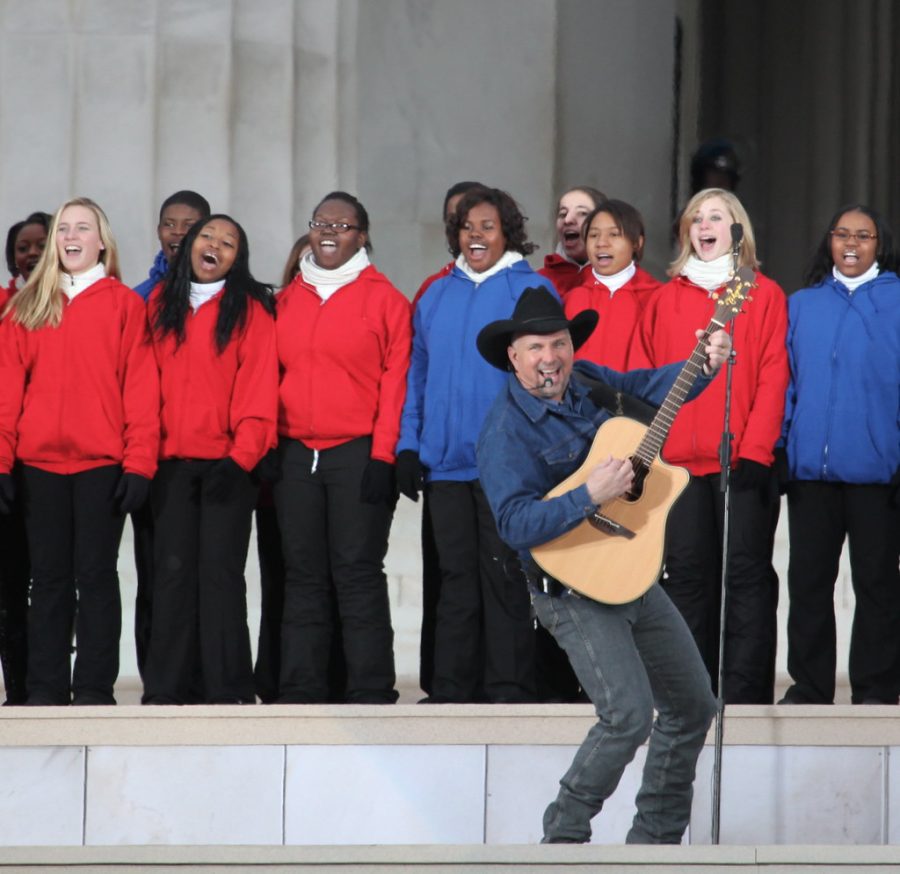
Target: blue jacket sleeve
x=411 y=417
x=158 y=270
x=650 y=385
x=514 y=482
x=515 y=477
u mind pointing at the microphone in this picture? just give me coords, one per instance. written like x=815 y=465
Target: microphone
x=737 y=234
x=546 y=383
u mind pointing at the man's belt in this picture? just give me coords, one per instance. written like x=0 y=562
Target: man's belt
x=542 y=582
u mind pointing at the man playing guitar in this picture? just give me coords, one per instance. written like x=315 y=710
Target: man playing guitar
x=629 y=657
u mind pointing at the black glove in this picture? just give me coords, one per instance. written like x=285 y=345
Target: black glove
x=223 y=478
x=617 y=403
x=132 y=492
x=269 y=468
x=379 y=483
x=410 y=479
x=751 y=475
x=7 y=493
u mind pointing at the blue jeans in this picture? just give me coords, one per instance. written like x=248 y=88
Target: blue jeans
x=629 y=659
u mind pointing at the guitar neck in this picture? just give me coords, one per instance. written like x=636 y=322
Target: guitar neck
x=653 y=440
x=728 y=305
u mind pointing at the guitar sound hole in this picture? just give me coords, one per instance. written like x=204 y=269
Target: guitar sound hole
x=640 y=474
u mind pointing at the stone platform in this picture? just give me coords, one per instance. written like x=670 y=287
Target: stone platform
x=460 y=859
x=479 y=775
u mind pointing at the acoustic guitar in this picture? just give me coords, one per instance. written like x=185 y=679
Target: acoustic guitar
x=617 y=553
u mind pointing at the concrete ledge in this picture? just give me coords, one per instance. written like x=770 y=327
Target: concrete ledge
x=409 y=724
x=297 y=777
x=460 y=858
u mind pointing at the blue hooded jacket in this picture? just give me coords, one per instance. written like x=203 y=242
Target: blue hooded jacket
x=842 y=408
x=450 y=387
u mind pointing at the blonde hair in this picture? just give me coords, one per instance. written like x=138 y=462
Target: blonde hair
x=39 y=303
x=747 y=253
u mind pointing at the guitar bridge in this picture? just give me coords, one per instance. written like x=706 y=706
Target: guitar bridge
x=610 y=526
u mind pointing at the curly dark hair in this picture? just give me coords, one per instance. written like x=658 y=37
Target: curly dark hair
x=36 y=218
x=821 y=263
x=175 y=299
x=512 y=222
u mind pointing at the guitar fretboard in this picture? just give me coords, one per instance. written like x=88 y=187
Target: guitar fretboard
x=658 y=430
x=728 y=305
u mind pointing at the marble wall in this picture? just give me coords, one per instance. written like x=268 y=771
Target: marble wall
x=425 y=794
x=266 y=105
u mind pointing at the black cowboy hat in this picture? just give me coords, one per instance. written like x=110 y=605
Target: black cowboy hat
x=537 y=312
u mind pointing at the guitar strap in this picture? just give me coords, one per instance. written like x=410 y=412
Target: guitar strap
x=617 y=403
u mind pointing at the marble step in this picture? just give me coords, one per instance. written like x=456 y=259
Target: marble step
x=480 y=775
x=459 y=859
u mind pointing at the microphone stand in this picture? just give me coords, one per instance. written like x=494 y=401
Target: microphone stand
x=737 y=233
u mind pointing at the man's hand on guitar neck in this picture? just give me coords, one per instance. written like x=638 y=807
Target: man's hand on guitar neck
x=610 y=479
x=717 y=351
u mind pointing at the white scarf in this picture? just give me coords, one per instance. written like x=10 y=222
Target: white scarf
x=201 y=292
x=854 y=282
x=507 y=259
x=709 y=274
x=617 y=280
x=327 y=282
x=74 y=285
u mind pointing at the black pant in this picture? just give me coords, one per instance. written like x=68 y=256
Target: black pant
x=74 y=531
x=267 y=670
x=15 y=575
x=142 y=527
x=484 y=635
x=271 y=584
x=693 y=578
x=431 y=592
x=821 y=515
x=332 y=541
x=199 y=591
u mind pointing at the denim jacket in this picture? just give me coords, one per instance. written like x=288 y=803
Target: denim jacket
x=528 y=445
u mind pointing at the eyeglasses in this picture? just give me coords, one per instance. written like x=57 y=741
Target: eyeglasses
x=861 y=236
x=337 y=227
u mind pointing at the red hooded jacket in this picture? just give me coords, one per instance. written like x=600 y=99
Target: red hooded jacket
x=343 y=363
x=611 y=341
x=760 y=374
x=216 y=405
x=84 y=394
x=564 y=274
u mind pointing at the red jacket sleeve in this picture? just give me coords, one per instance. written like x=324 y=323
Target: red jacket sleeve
x=139 y=378
x=254 y=399
x=12 y=391
x=397 y=344
x=763 y=425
